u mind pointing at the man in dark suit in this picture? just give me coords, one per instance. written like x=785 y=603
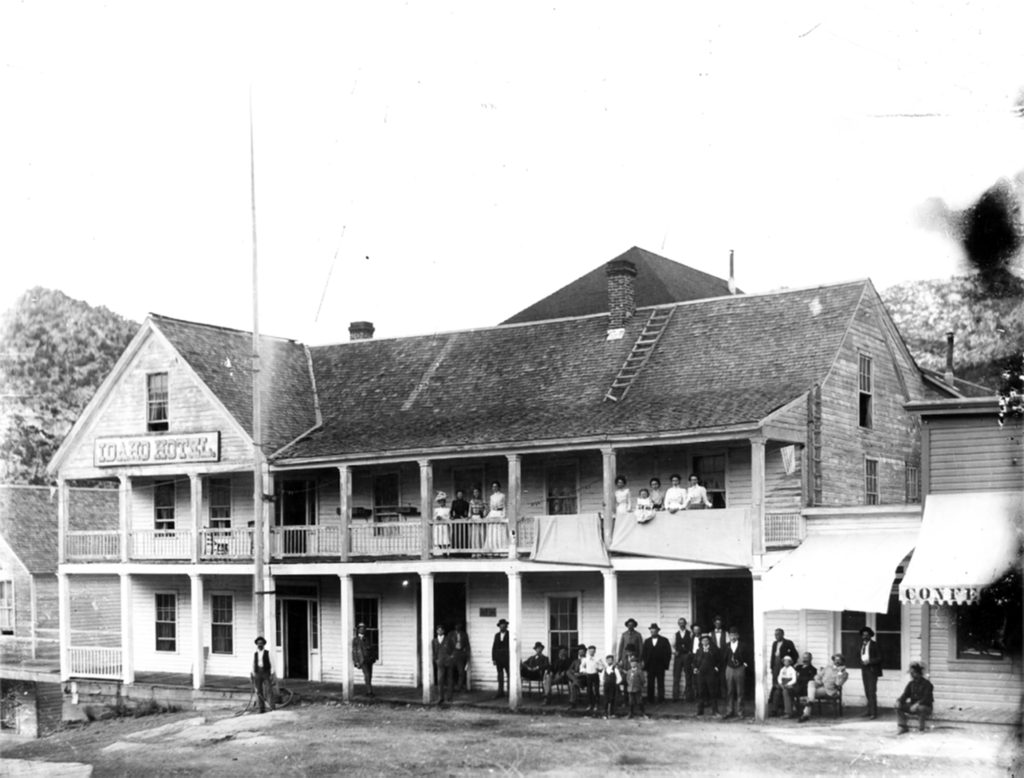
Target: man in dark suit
x=691 y=690
x=682 y=655
x=736 y=660
x=705 y=675
x=499 y=655
x=870 y=669
x=442 y=664
x=719 y=637
x=458 y=647
x=263 y=675
x=782 y=647
x=364 y=654
x=656 y=657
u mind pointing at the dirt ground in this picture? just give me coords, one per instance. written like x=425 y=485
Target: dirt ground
x=332 y=739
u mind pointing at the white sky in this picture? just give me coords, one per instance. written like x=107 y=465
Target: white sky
x=462 y=160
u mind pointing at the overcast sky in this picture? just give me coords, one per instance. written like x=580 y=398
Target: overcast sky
x=434 y=166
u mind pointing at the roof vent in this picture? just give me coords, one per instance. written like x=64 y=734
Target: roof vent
x=360 y=330
x=621 y=292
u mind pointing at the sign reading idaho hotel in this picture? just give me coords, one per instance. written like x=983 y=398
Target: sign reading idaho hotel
x=157 y=449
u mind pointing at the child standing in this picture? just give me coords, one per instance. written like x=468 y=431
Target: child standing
x=611 y=677
x=636 y=682
x=591 y=668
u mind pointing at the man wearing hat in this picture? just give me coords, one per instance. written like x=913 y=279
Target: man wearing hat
x=630 y=638
x=364 y=654
x=534 y=668
x=870 y=669
x=263 y=675
x=458 y=647
x=499 y=655
x=656 y=656
x=917 y=699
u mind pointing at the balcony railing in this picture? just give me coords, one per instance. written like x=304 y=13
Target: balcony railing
x=470 y=536
x=392 y=538
x=161 y=544
x=305 y=541
x=783 y=530
x=93 y=546
x=235 y=543
x=94 y=662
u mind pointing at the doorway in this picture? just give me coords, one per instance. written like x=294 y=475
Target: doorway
x=295 y=632
x=449 y=604
x=733 y=600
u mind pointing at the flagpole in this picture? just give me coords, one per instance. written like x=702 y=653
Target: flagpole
x=257 y=425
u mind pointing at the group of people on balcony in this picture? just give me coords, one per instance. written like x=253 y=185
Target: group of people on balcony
x=471 y=526
x=649 y=501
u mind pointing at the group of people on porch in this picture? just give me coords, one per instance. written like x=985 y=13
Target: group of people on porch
x=651 y=500
x=473 y=525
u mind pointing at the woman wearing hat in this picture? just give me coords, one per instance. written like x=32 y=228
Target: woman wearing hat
x=870 y=669
x=442 y=532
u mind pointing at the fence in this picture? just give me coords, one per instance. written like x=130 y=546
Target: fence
x=92 y=545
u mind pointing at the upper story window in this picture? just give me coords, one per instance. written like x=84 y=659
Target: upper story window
x=710 y=472
x=7 y=607
x=871 y=481
x=864 y=382
x=913 y=483
x=220 y=503
x=156 y=402
x=163 y=505
x=561 y=482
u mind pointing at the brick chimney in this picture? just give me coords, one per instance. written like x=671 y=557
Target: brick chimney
x=360 y=330
x=732 y=274
x=949 y=359
x=621 y=292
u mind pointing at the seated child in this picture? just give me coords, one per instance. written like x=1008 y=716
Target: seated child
x=644 y=507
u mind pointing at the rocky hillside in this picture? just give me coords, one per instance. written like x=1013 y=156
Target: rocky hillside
x=54 y=352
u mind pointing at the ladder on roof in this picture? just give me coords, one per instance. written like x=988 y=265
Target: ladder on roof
x=645 y=344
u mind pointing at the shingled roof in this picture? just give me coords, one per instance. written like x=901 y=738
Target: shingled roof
x=28 y=520
x=659 y=281
x=222 y=359
x=720 y=363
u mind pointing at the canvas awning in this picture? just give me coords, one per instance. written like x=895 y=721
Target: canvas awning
x=968 y=540
x=838 y=571
x=573 y=539
x=719 y=537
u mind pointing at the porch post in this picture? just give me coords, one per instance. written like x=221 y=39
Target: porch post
x=268 y=605
x=513 y=501
x=757 y=469
x=195 y=505
x=345 y=507
x=127 y=633
x=426 y=633
x=611 y=609
x=348 y=605
x=610 y=467
x=427 y=506
x=198 y=662
x=515 y=616
x=762 y=676
x=124 y=512
x=64 y=624
x=62 y=520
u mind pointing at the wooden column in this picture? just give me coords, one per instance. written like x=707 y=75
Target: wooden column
x=609 y=467
x=513 y=501
x=268 y=603
x=62 y=520
x=127 y=632
x=124 y=514
x=426 y=633
x=64 y=623
x=195 y=510
x=762 y=671
x=348 y=606
x=515 y=616
x=757 y=476
x=611 y=610
x=345 y=507
x=196 y=603
x=427 y=506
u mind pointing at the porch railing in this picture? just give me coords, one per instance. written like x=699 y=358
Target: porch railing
x=94 y=661
x=305 y=541
x=469 y=536
x=234 y=543
x=93 y=545
x=391 y=538
x=161 y=544
x=783 y=530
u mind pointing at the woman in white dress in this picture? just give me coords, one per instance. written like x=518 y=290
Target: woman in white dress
x=623 y=498
x=442 y=532
x=497 y=533
x=675 y=497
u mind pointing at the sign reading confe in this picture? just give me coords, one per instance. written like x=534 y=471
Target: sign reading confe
x=936 y=595
x=157 y=449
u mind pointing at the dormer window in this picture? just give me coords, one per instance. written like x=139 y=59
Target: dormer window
x=864 y=383
x=156 y=402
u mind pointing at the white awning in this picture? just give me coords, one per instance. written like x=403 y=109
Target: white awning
x=837 y=572
x=968 y=541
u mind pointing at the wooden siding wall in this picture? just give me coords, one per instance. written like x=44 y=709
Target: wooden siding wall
x=124 y=412
x=239 y=661
x=893 y=438
x=488 y=591
x=147 y=658
x=95 y=610
x=47 y=617
x=973 y=453
x=783 y=493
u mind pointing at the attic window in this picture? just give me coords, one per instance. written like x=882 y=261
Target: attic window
x=864 y=383
x=156 y=402
x=7 y=607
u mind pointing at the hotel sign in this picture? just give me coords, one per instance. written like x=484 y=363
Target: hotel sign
x=157 y=449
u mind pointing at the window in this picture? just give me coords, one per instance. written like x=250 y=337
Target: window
x=864 y=383
x=711 y=472
x=563 y=623
x=871 y=482
x=220 y=503
x=222 y=623
x=167 y=622
x=368 y=613
x=386 y=497
x=156 y=402
x=991 y=628
x=6 y=607
x=561 y=489
x=888 y=634
x=163 y=505
x=913 y=483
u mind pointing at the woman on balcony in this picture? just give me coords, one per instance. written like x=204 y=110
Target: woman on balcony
x=623 y=498
x=696 y=495
x=496 y=529
x=477 y=511
x=442 y=532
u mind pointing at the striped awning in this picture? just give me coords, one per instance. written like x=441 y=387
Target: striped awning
x=968 y=540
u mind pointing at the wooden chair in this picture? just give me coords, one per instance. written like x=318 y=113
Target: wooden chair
x=835 y=703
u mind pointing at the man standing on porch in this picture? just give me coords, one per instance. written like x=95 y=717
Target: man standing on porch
x=870 y=669
x=364 y=654
x=657 y=655
x=736 y=659
x=458 y=647
x=262 y=675
x=630 y=638
x=682 y=647
x=499 y=655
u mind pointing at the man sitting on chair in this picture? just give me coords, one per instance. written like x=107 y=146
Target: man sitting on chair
x=558 y=673
x=534 y=668
x=827 y=684
x=917 y=699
